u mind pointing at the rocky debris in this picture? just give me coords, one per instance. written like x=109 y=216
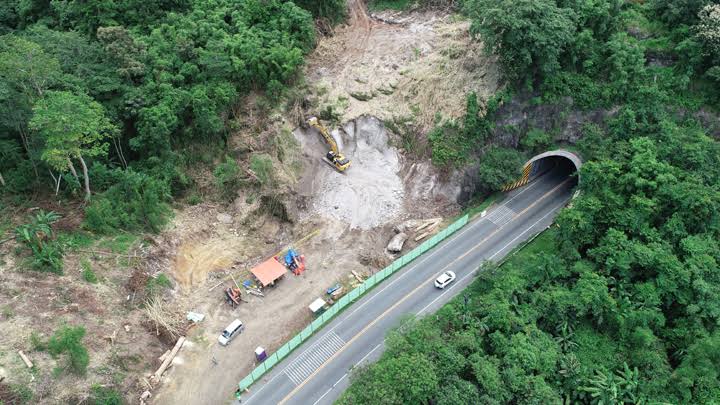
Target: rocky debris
x=432 y=187
x=224 y=218
x=362 y=95
x=391 y=18
x=396 y=243
x=709 y=120
x=637 y=33
x=373 y=260
x=370 y=193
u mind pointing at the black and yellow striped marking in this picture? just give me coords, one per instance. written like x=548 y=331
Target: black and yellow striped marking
x=521 y=181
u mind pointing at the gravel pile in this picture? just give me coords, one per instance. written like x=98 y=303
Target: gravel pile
x=370 y=193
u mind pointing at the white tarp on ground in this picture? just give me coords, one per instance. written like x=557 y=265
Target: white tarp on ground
x=317 y=305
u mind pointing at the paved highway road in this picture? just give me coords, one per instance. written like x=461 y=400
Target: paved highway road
x=317 y=371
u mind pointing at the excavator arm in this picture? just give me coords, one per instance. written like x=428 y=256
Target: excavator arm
x=315 y=123
x=334 y=157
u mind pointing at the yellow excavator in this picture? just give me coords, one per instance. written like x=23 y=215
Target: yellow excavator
x=334 y=157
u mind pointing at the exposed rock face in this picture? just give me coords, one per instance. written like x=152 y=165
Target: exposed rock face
x=516 y=117
x=564 y=119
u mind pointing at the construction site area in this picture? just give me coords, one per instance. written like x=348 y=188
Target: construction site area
x=358 y=191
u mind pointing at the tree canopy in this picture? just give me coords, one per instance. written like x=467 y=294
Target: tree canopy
x=135 y=84
x=620 y=302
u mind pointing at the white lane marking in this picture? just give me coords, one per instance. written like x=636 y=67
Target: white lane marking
x=328 y=391
x=472 y=273
x=305 y=365
x=370 y=352
x=444 y=292
x=501 y=216
x=408 y=271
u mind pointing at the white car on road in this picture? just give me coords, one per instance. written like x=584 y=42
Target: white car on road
x=445 y=279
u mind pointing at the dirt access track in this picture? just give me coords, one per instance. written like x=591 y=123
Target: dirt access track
x=368 y=72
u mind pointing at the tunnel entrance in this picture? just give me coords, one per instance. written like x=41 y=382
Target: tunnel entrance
x=556 y=163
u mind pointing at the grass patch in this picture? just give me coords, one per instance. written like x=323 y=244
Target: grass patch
x=399 y=5
x=406 y=129
x=87 y=272
x=15 y=394
x=75 y=240
x=194 y=199
x=157 y=284
x=522 y=254
x=66 y=340
x=105 y=396
x=5 y=225
x=7 y=311
x=119 y=244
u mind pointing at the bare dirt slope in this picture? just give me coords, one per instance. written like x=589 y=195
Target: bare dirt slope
x=372 y=71
x=369 y=73
x=120 y=346
x=419 y=65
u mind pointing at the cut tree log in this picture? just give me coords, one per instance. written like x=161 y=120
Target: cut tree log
x=25 y=359
x=145 y=396
x=216 y=285
x=429 y=223
x=169 y=358
x=234 y=281
x=357 y=276
x=427 y=232
x=164 y=356
x=255 y=292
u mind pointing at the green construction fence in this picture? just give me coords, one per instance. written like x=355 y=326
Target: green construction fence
x=348 y=298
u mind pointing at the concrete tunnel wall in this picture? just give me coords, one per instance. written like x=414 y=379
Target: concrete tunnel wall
x=539 y=164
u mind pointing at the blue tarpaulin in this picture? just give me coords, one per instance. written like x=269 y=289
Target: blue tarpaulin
x=289 y=257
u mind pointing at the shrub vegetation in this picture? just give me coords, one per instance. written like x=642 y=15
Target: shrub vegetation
x=619 y=303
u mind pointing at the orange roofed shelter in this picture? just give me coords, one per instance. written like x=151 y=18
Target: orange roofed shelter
x=268 y=271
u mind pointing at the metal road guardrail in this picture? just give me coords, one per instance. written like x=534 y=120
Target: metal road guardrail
x=347 y=299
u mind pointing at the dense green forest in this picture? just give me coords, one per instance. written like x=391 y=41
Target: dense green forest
x=106 y=106
x=108 y=101
x=620 y=302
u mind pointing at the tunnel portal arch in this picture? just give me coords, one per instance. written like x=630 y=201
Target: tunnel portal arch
x=575 y=159
x=544 y=162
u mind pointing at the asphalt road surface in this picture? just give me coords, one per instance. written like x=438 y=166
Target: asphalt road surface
x=317 y=372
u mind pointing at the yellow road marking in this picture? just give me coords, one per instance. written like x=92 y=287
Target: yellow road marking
x=408 y=295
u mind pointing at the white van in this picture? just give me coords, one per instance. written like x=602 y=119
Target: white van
x=234 y=329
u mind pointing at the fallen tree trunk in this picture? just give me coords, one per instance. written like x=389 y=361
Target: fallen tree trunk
x=427 y=232
x=25 y=359
x=169 y=358
x=357 y=276
x=164 y=356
